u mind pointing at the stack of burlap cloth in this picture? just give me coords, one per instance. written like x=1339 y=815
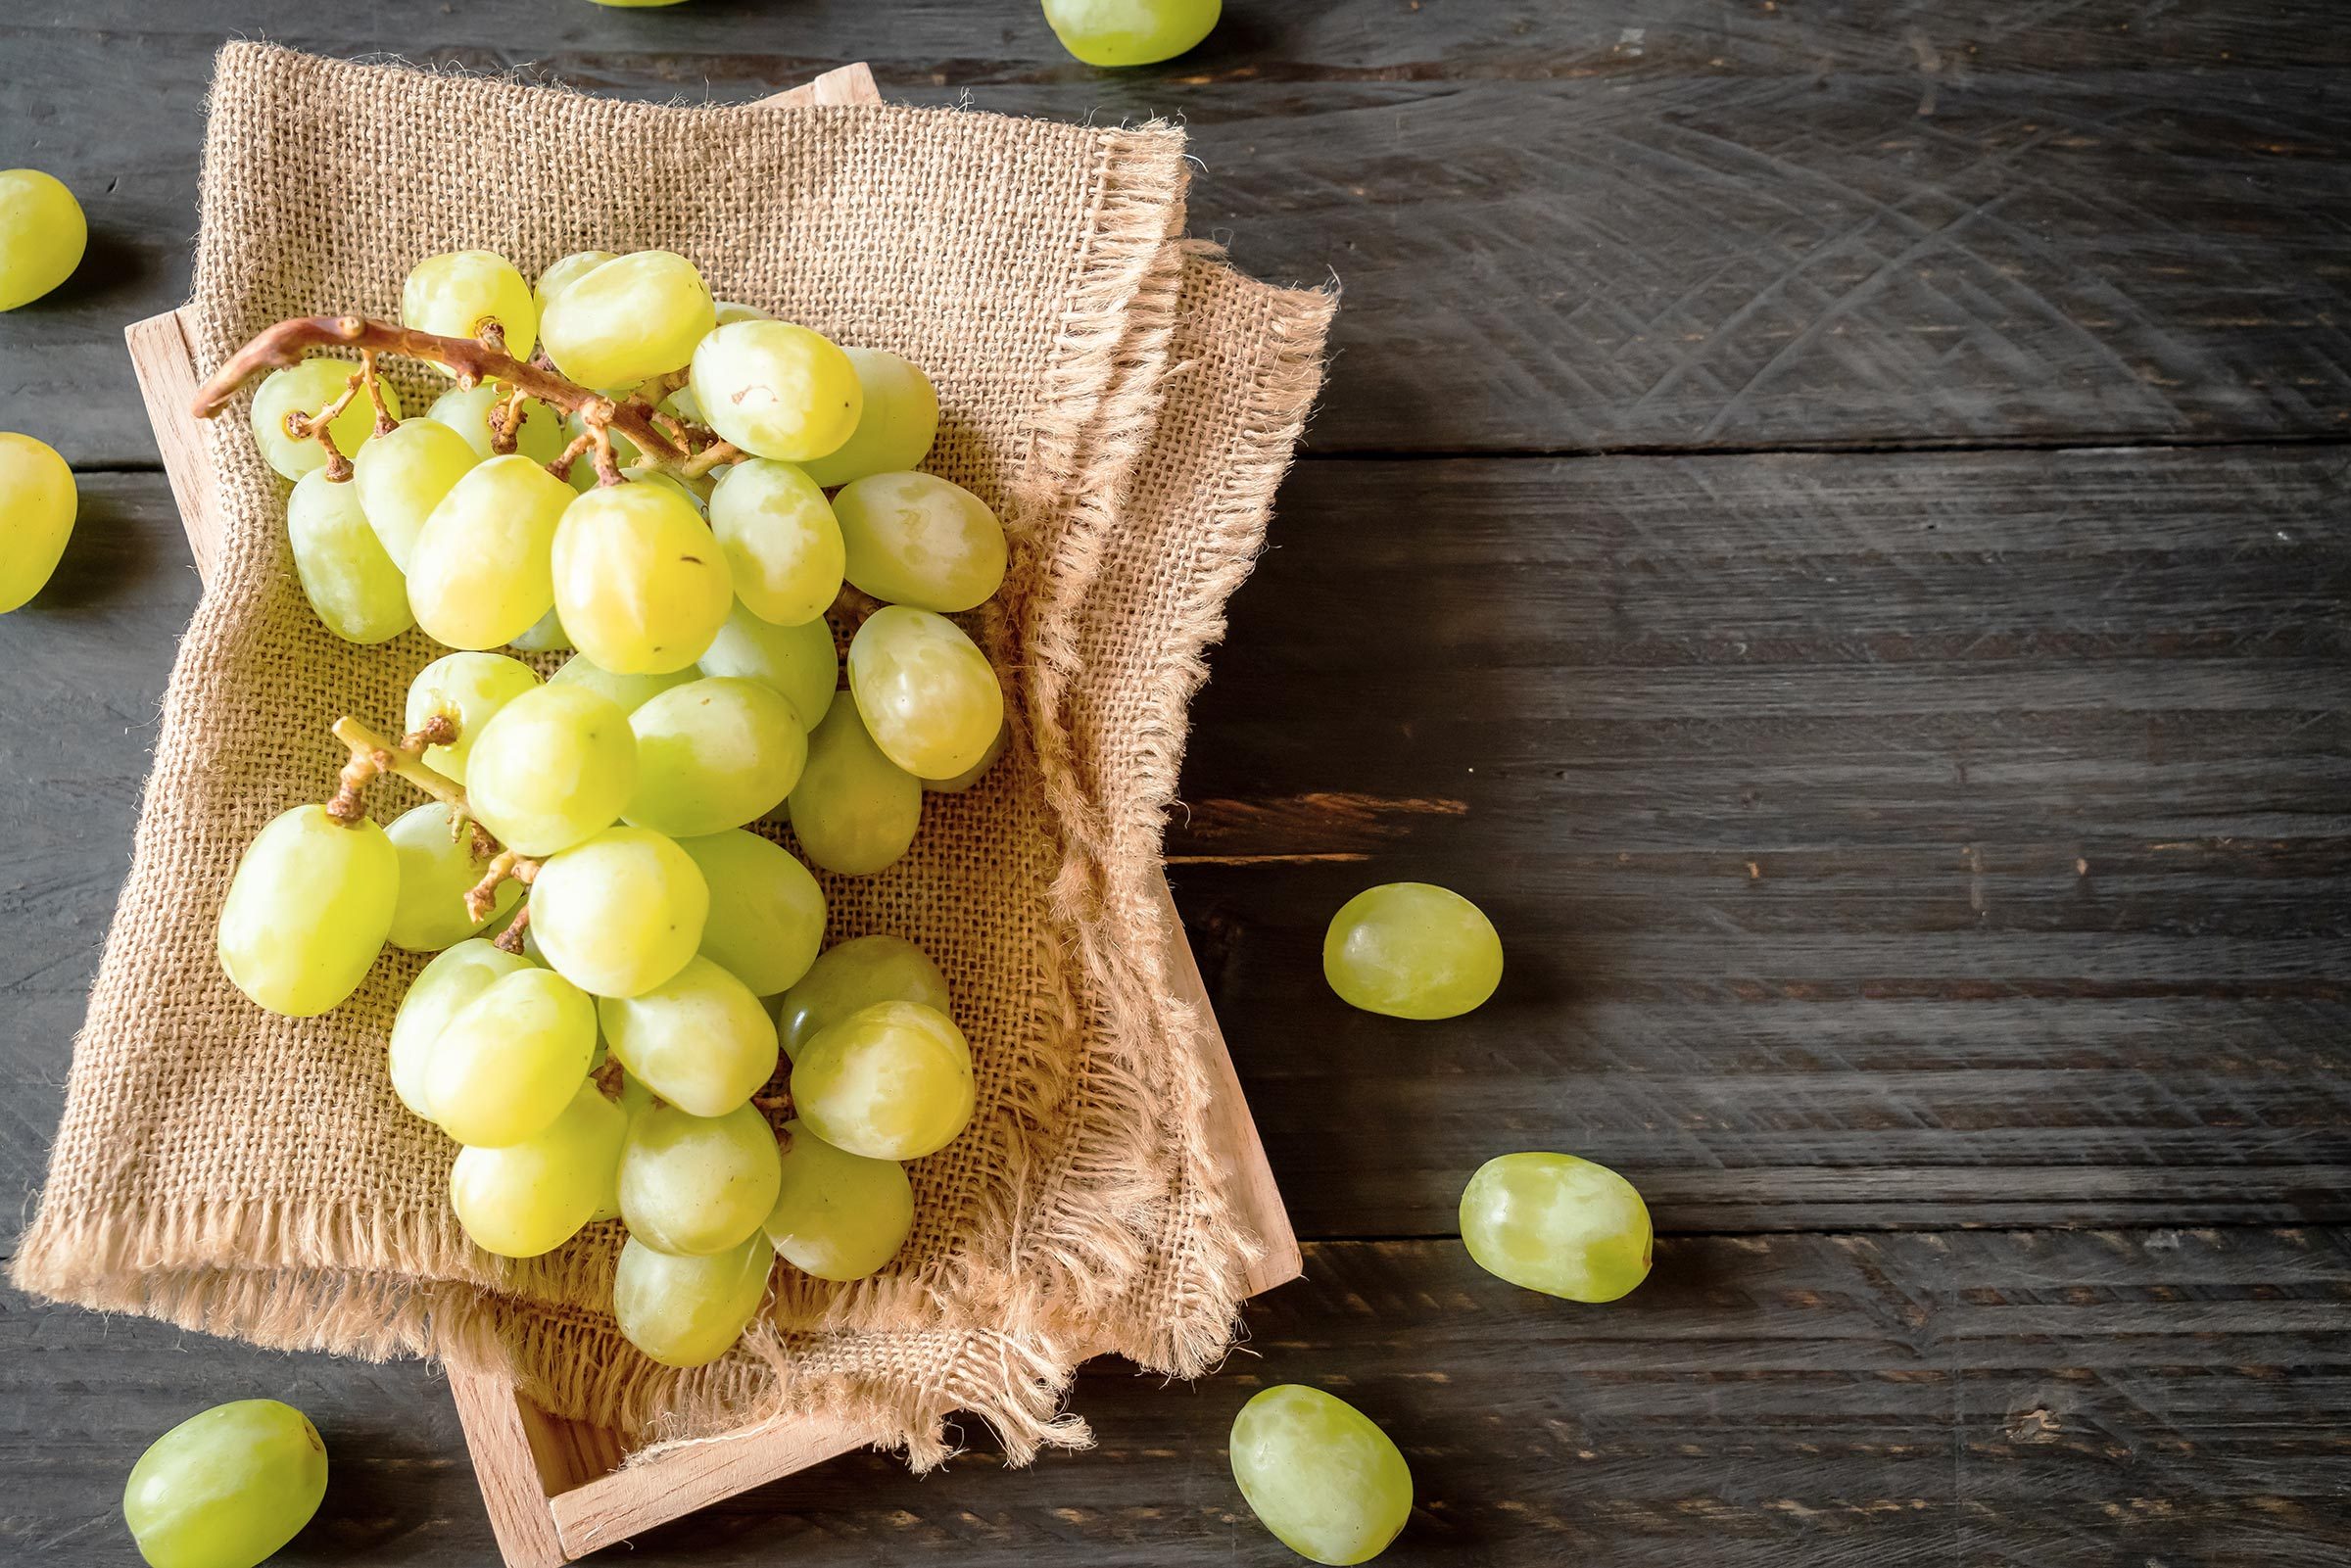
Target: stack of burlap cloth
x=1125 y=401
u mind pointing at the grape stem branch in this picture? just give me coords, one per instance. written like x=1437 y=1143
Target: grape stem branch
x=372 y=755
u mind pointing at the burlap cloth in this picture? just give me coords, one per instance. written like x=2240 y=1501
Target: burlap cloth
x=1125 y=401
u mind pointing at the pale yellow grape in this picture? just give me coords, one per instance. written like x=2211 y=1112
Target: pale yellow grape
x=562 y=272
x=439 y=993
x=225 y=1488
x=678 y=488
x=895 y=427
x=435 y=871
x=696 y=1185
x=457 y=293
x=1320 y=1474
x=767 y=913
x=634 y=1097
x=915 y=539
x=554 y=766
x=1555 y=1223
x=467 y=689
x=306 y=388
x=713 y=754
x=892 y=1081
x=546 y=636
x=636 y=317
x=777 y=390
x=733 y=310
x=466 y=410
x=854 y=974
x=838 y=1215
x=1412 y=950
x=700 y=1039
x=784 y=549
x=799 y=661
x=638 y=581
x=42 y=235
x=308 y=911
x=529 y=1197
x=927 y=694
x=621 y=913
x=478 y=574
x=346 y=573
x=976 y=771
x=688 y=1311
x=629 y=691
x=854 y=810
x=37 y=500
x=507 y=1063
x=401 y=476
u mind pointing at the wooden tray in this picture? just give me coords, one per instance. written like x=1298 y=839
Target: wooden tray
x=555 y=1488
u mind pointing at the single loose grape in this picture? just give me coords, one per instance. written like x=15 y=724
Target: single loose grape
x=1320 y=1474
x=895 y=428
x=467 y=689
x=627 y=691
x=42 y=235
x=461 y=292
x=621 y=913
x=227 y=1488
x=799 y=661
x=838 y=1215
x=640 y=582
x=1131 y=33
x=565 y=271
x=466 y=410
x=700 y=1039
x=854 y=810
x=510 y=1059
x=852 y=976
x=688 y=1311
x=554 y=766
x=915 y=539
x=401 y=476
x=37 y=500
x=713 y=754
x=306 y=388
x=1555 y=1223
x=783 y=549
x=308 y=911
x=636 y=317
x=437 y=869
x=438 y=994
x=892 y=1081
x=1412 y=950
x=976 y=771
x=478 y=573
x=928 y=696
x=531 y=1197
x=767 y=913
x=693 y=1186
x=349 y=579
x=777 y=390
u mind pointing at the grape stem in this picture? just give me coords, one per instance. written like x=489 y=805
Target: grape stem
x=508 y=940
x=372 y=755
x=482 y=897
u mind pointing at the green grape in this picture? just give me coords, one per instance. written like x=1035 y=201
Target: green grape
x=892 y=1081
x=838 y=1215
x=563 y=273
x=228 y=1488
x=308 y=911
x=42 y=235
x=636 y=317
x=731 y=312
x=531 y=1197
x=466 y=410
x=854 y=974
x=435 y=871
x=638 y=581
x=634 y=1098
x=688 y=1311
x=783 y=549
x=478 y=573
x=582 y=476
x=976 y=771
x=894 y=430
x=713 y=754
x=914 y=539
x=346 y=573
x=621 y=913
x=767 y=913
x=439 y=993
x=37 y=500
x=467 y=689
x=777 y=390
x=926 y=693
x=546 y=636
x=1554 y=1223
x=401 y=476
x=1412 y=950
x=1131 y=33
x=696 y=1185
x=854 y=810
x=700 y=1039
x=457 y=293
x=799 y=661
x=507 y=1063
x=550 y=768
x=628 y=691
x=306 y=388
x=1320 y=1474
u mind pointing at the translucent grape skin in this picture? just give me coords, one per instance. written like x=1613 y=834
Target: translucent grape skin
x=1320 y=1474
x=700 y=1039
x=976 y=771
x=767 y=913
x=694 y=1186
x=308 y=910
x=552 y=768
x=42 y=235
x=546 y=636
x=731 y=311
x=507 y=1063
x=478 y=573
x=1555 y=1223
x=890 y=1081
x=641 y=584
x=456 y=292
x=349 y=579
x=854 y=810
x=852 y=976
x=895 y=427
x=400 y=477
x=439 y=993
x=799 y=661
x=777 y=390
x=713 y=754
x=915 y=539
x=636 y=317
x=37 y=503
x=466 y=410
x=306 y=388
x=621 y=913
x=783 y=549
x=435 y=871
x=467 y=689
x=928 y=696
x=1412 y=950
x=1131 y=33
x=628 y=691
x=838 y=1215
x=565 y=271
x=531 y=1197
x=688 y=1311
x=225 y=1487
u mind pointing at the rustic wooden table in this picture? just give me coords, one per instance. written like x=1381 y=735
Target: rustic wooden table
x=1827 y=520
